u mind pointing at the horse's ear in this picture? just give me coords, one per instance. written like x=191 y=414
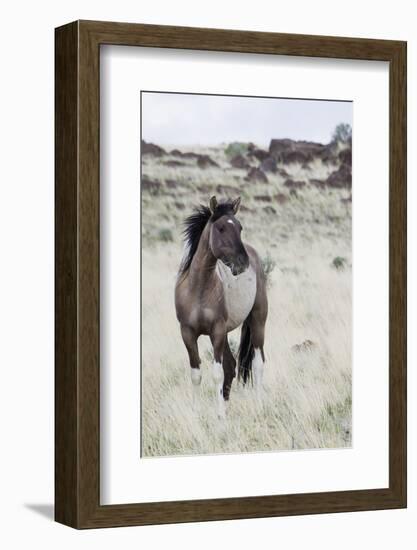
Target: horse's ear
x=213 y=204
x=236 y=204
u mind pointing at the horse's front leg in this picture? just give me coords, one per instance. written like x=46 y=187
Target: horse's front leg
x=218 y=338
x=190 y=340
x=229 y=369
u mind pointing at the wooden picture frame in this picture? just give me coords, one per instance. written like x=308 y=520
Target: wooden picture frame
x=77 y=373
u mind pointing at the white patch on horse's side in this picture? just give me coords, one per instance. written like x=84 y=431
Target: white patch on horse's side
x=231 y=221
x=218 y=376
x=257 y=368
x=239 y=292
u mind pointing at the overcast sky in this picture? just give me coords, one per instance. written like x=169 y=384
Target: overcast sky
x=186 y=119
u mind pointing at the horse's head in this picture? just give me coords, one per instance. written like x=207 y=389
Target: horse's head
x=225 y=239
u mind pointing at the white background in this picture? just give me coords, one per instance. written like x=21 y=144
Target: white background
x=125 y=478
x=26 y=286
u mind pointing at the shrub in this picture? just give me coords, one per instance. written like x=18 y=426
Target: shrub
x=342 y=133
x=165 y=235
x=339 y=263
x=236 y=148
x=268 y=266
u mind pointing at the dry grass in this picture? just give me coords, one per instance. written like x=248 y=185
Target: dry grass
x=306 y=402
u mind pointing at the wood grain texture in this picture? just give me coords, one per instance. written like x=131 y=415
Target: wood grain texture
x=77 y=394
x=398 y=274
x=66 y=304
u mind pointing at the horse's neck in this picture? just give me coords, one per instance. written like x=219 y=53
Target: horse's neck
x=203 y=263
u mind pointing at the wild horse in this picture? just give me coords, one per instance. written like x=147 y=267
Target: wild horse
x=220 y=286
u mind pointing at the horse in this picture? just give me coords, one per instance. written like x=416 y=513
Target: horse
x=220 y=286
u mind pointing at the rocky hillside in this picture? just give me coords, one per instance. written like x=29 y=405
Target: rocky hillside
x=258 y=163
x=288 y=186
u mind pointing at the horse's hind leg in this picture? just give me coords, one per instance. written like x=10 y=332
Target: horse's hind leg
x=257 y=328
x=257 y=322
x=190 y=341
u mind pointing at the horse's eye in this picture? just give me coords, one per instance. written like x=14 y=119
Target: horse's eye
x=221 y=229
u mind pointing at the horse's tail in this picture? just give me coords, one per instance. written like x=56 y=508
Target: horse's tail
x=246 y=352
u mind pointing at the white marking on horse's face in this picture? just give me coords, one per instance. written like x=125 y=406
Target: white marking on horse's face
x=231 y=221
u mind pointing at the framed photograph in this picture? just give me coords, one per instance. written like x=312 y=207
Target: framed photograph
x=230 y=274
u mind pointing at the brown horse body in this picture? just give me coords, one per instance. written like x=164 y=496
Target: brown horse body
x=220 y=286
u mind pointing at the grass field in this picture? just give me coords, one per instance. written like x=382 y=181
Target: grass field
x=304 y=237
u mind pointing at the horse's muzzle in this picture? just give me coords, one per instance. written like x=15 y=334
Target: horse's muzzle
x=237 y=270
x=240 y=265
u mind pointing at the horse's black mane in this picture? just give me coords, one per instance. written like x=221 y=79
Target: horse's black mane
x=194 y=226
